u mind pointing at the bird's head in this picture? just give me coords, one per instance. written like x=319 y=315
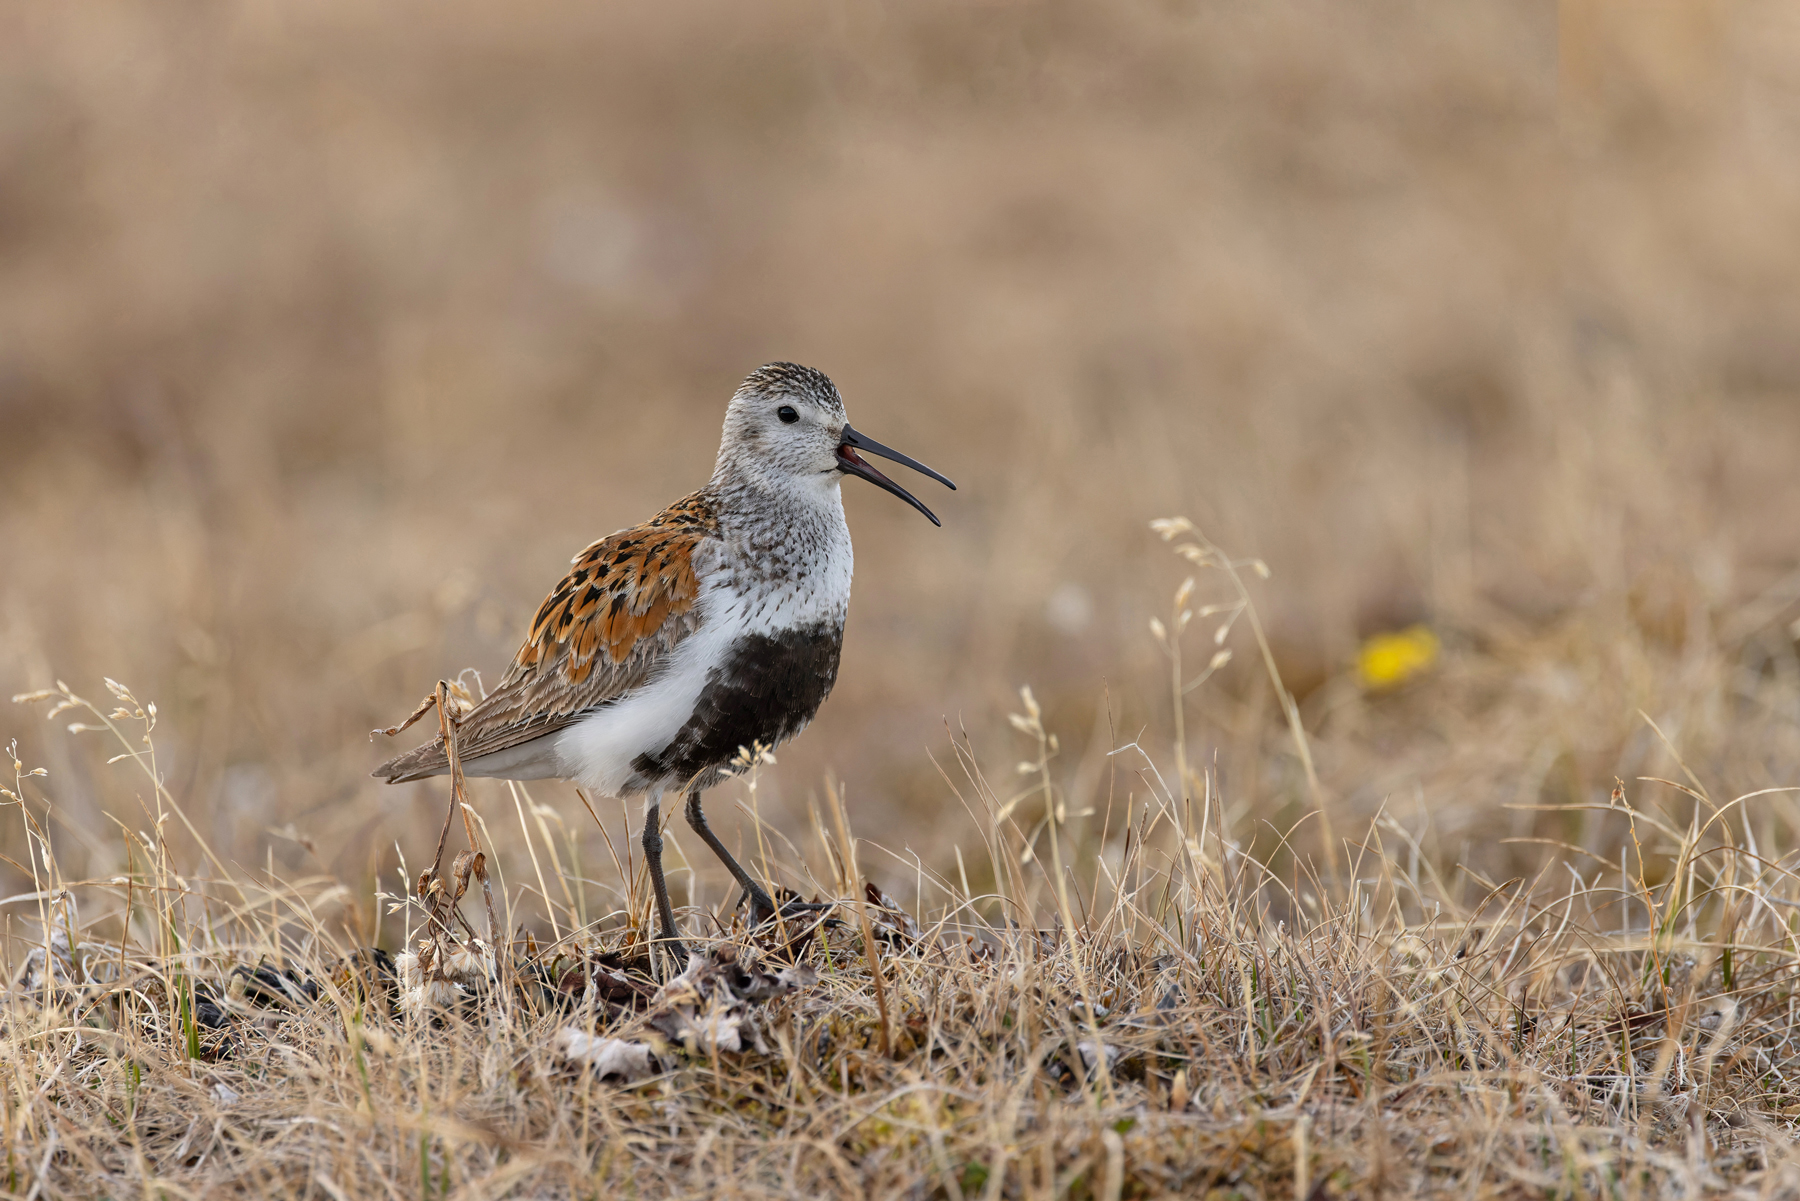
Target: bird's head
x=786 y=430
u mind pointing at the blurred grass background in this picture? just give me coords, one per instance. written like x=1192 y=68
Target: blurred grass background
x=330 y=331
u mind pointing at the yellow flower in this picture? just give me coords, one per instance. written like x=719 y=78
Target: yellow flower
x=1390 y=660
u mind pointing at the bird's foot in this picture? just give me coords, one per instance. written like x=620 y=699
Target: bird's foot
x=677 y=952
x=763 y=908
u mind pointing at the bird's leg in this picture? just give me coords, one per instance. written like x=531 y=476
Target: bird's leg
x=665 y=913
x=762 y=905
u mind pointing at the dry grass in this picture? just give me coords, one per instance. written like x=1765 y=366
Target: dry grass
x=1187 y=1018
x=328 y=332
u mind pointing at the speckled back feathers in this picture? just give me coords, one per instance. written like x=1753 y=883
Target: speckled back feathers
x=626 y=602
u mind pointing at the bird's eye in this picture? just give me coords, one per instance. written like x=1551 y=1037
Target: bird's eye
x=787 y=414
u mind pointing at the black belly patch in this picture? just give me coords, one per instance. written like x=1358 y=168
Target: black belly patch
x=765 y=691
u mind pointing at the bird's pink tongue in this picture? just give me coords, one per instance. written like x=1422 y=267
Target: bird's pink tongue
x=870 y=471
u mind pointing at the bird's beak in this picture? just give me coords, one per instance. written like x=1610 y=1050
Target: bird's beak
x=851 y=463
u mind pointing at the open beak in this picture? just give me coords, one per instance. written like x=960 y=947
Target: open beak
x=852 y=463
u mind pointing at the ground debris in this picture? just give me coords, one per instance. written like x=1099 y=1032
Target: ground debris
x=893 y=924
x=620 y=1057
x=270 y=987
x=49 y=967
x=599 y=980
x=368 y=973
x=707 y=1009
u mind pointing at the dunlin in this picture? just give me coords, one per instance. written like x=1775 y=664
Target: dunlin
x=714 y=626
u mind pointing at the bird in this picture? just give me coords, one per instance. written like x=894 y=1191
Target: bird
x=671 y=647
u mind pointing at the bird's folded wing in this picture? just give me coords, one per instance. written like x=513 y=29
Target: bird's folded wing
x=627 y=602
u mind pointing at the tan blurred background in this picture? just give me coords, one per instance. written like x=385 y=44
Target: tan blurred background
x=330 y=330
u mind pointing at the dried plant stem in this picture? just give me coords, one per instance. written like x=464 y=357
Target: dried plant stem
x=854 y=870
x=1059 y=883
x=1290 y=709
x=536 y=867
x=447 y=727
x=1203 y=552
